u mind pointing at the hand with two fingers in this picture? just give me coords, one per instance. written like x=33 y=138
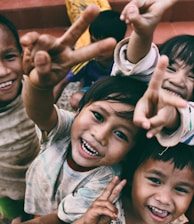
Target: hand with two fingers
x=157 y=109
x=102 y=211
x=47 y=59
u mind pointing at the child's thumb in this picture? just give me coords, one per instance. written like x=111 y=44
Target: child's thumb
x=42 y=62
x=133 y=13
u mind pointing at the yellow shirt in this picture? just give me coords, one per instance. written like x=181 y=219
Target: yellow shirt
x=75 y=9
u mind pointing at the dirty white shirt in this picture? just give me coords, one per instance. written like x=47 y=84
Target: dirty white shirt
x=53 y=185
x=19 y=145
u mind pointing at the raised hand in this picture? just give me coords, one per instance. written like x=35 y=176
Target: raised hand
x=157 y=109
x=146 y=13
x=143 y=16
x=56 y=56
x=102 y=211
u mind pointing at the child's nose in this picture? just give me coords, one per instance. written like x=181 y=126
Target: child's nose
x=179 y=78
x=3 y=69
x=101 y=134
x=164 y=197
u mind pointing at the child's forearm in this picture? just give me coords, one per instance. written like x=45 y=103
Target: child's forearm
x=138 y=47
x=39 y=105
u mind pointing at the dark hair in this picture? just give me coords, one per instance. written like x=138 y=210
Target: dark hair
x=179 y=47
x=108 y=24
x=181 y=156
x=7 y=23
x=118 y=88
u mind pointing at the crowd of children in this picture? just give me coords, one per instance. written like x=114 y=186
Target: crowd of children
x=81 y=153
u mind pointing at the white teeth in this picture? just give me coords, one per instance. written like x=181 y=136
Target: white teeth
x=173 y=93
x=159 y=212
x=5 y=84
x=88 y=149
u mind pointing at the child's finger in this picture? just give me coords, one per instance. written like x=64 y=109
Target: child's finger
x=173 y=100
x=117 y=190
x=46 y=42
x=42 y=63
x=157 y=77
x=100 y=215
x=27 y=61
x=104 y=204
x=90 y=51
x=106 y=211
x=140 y=117
x=29 y=38
x=79 y=26
x=108 y=190
x=155 y=129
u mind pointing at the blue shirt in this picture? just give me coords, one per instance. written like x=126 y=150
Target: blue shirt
x=91 y=72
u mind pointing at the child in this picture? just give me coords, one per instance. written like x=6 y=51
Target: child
x=178 y=77
x=79 y=153
x=158 y=109
x=19 y=144
x=160 y=186
x=102 y=27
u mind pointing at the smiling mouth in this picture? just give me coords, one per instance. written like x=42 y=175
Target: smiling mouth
x=88 y=149
x=158 y=212
x=5 y=84
x=173 y=93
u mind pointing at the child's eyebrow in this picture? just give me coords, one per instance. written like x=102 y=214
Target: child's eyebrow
x=186 y=184
x=11 y=50
x=157 y=172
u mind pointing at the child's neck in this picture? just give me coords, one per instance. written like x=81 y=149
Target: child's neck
x=4 y=104
x=74 y=166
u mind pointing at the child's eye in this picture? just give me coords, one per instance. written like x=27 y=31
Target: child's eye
x=11 y=57
x=181 y=190
x=170 y=68
x=121 y=135
x=191 y=77
x=154 y=180
x=98 y=116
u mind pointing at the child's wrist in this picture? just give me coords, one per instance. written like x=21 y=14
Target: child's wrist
x=175 y=123
x=36 y=86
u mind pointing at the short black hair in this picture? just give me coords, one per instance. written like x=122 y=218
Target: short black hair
x=108 y=24
x=7 y=23
x=123 y=89
x=179 y=47
x=181 y=156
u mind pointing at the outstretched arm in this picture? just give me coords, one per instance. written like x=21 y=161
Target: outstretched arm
x=144 y=17
x=48 y=59
x=157 y=109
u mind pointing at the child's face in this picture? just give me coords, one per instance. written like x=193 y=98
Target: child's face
x=100 y=136
x=10 y=66
x=180 y=80
x=160 y=192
